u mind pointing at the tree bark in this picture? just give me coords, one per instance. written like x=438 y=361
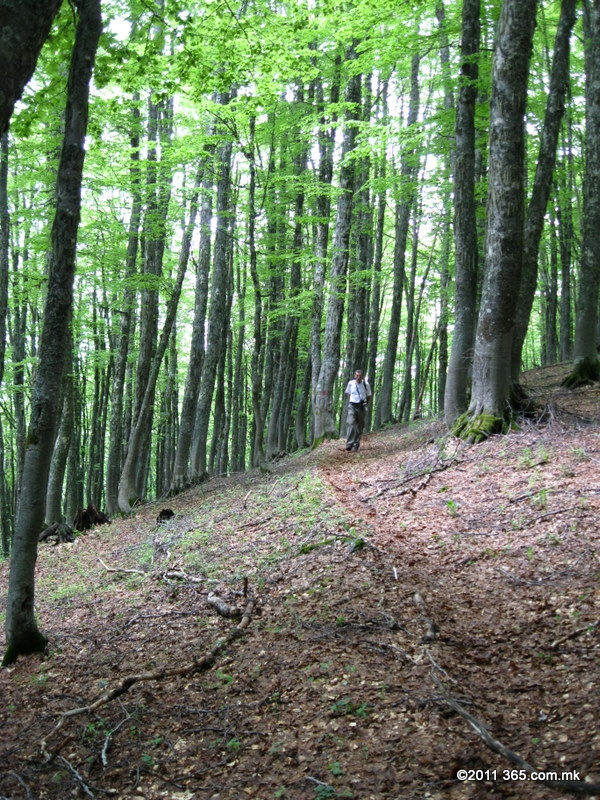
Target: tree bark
x=22 y=633
x=216 y=316
x=408 y=175
x=542 y=184
x=181 y=474
x=25 y=27
x=586 y=366
x=465 y=222
x=129 y=481
x=113 y=469
x=323 y=412
x=489 y=406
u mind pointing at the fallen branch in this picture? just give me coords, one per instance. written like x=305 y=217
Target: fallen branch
x=114 y=569
x=573 y=787
x=223 y=608
x=198 y=665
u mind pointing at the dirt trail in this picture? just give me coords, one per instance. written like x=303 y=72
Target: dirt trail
x=380 y=577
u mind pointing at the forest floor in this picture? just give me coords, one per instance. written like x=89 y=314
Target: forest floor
x=390 y=593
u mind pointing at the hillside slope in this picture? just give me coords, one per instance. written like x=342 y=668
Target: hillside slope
x=390 y=585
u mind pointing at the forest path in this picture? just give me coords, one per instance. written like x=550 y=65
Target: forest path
x=377 y=574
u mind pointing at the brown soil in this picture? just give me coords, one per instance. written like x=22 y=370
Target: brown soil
x=386 y=582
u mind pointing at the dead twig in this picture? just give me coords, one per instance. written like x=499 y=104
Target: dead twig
x=198 y=665
x=549 y=514
x=589 y=628
x=573 y=787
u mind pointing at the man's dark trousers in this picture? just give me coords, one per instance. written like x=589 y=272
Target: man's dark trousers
x=356 y=423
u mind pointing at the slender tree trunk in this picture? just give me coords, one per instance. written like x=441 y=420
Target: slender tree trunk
x=564 y=216
x=504 y=244
x=323 y=410
x=465 y=221
x=326 y=143
x=116 y=435
x=586 y=366
x=128 y=482
x=58 y=466
x=216 y=317
x=538 y=203
x=408 y=175
x=22 y=633
x=181 y=475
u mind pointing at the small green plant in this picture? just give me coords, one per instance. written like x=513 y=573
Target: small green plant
x=147 y=760
x=336 y=768
x=281 y=792
x=530 y=553
x=323 y=791
x=526 y=457
x=345 y=706
x=234 y=745
x=541 y=498
x=452 y=507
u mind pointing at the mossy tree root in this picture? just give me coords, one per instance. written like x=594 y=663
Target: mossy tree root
x=585 y=372
x=479 y=427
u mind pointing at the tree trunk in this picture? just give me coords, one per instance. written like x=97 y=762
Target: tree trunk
x=216 y=316
x=538 y=203
x=408 y=175
x=129 y=481
x=54 y=497
x=326 y=145
x=504 y=244
x=323 y=411
x=586 y=366
x=181 y=475
x=115 y=452
x=465 y=222
x=22 y=633
x=25 y=27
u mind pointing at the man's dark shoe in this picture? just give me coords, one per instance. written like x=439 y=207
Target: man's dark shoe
x=349 y=448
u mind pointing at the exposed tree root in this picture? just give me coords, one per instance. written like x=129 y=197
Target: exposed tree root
x=584 y=373
x=198 y=665
x=477 y=428
x=570 y=786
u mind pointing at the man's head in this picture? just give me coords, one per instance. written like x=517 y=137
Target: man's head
x=358 y=375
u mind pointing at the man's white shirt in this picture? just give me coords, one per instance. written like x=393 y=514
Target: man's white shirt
x=358 y=392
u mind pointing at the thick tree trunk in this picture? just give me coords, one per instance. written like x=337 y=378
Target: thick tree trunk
x=504 y=244
x=465 y=222
x=22 y=633
x=586 y=366
x=538 y=203
x=25 y=27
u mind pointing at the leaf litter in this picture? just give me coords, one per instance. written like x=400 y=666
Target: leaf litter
x=386 y=582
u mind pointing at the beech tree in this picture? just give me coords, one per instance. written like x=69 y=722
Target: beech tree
x=585 y=353
x=22 y=633
x=489 y=407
